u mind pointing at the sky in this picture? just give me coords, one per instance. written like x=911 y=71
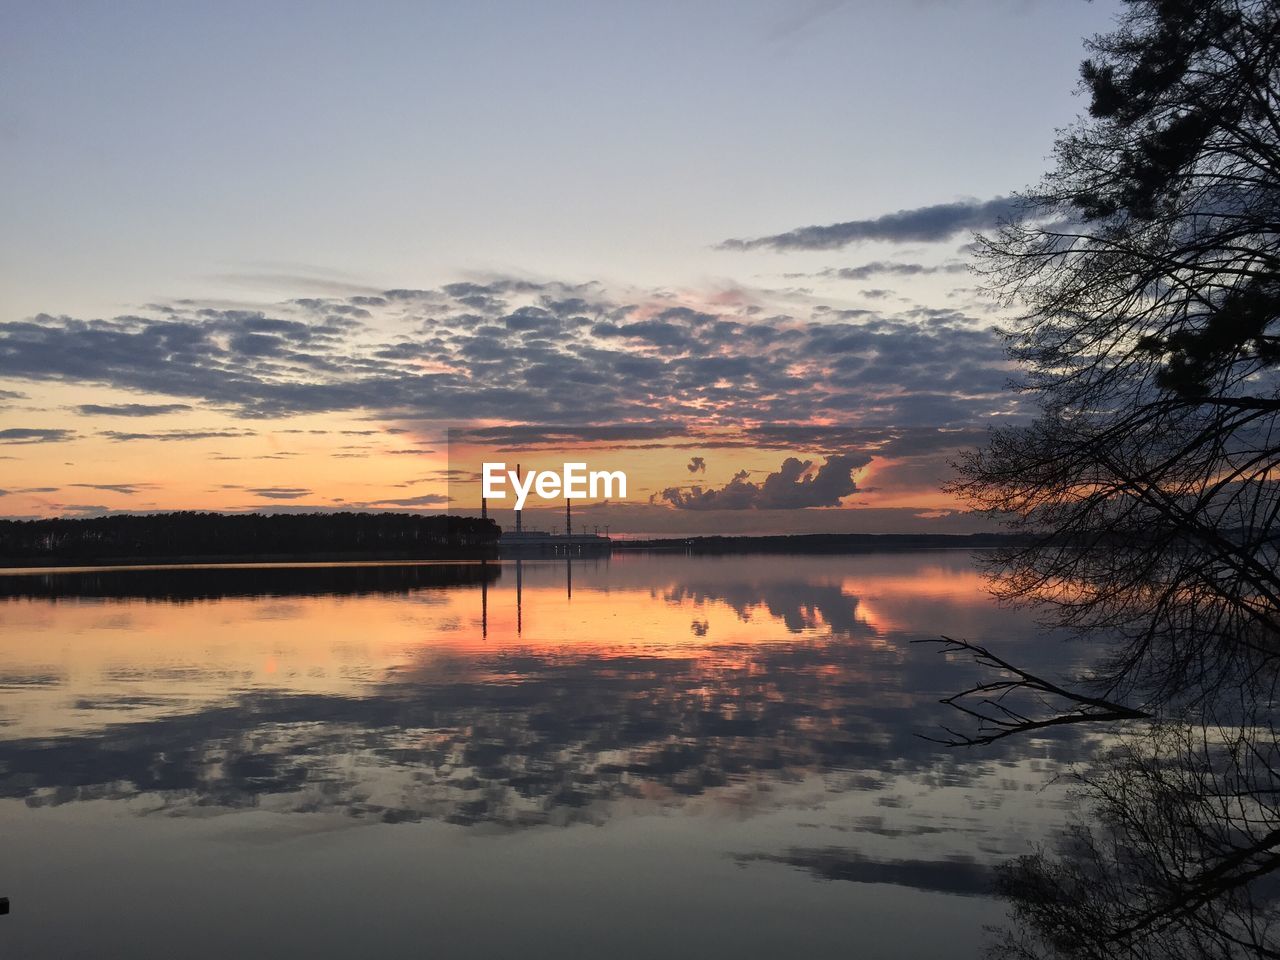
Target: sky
x=333 y=255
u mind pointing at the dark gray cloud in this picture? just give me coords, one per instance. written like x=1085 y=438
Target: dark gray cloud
x=931 y=224
x=279 y=493
x=697 y=465
x=129 y=409
x=793 y=487
x=125 y=488
x=553 y=434
x=35 y=435
x=894 y=269
x=124 y=437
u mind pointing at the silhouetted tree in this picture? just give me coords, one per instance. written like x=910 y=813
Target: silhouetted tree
x=1146 y=267
x=1017 y=701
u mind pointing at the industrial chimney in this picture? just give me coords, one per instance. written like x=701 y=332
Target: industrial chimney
x=518 y=512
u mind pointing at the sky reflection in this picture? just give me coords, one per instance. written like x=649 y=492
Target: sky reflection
x=783 y=693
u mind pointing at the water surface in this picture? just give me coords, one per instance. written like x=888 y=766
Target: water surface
x=630 y=757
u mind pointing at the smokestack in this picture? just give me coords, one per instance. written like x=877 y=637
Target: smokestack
x=484 y=508
x=568 y=517
x=518 y=512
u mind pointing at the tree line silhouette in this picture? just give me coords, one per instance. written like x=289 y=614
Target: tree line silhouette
x=1145 y=267
x=190 y=534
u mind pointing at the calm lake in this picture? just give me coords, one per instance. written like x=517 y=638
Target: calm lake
x=641 y=756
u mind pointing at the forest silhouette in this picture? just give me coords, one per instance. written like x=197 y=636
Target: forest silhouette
x=208 y=536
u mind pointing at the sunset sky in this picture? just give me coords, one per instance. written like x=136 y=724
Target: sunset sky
x=332 y=256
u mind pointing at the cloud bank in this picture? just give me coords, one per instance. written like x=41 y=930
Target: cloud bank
x=547 y=362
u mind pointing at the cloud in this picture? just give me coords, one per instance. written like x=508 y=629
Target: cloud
x=279 y=493
x=129 y=409
x=552 y=434
x=794 y=486
x=167 y=435
x=124 y=488
x=697 y=465
x=426 y=500
x=544 y=364
x=930 y=224
x=35 y=435
x=892 y=268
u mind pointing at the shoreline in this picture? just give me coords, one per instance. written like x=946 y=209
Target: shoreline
x=16 y=565
x=819 y=543
x=798 y=544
